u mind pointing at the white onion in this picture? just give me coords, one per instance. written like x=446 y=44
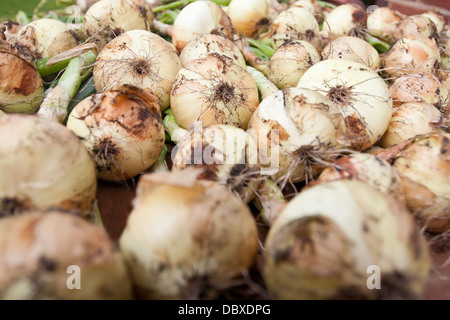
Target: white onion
x=186 y=238
x=42 y=253
x=140 y=58
x=248 y=17
x=121 y=129
x=213 y=91
x=43 y=165
x=382 y=21
x=327 y=238
x=345 y=19
x=414 y=27
x=360 y=93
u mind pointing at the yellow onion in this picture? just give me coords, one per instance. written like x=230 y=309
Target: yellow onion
x=43 y=165
x=359 y=92
x=213 y=44
x=106 y=19
x=330 y=238
x=21 y=86
x=424 y=166
x=382 y=21
x=345 y=19
x=411 y=119
x=227 y=155
x=186 y=238
x=140 y=58
x=365 y=167
x=410 y=56
x=42 y=254
x=352 y=48
x=298 y=132
x=197 y=18
x=121 y=129
x=214 y=91
x=290 y=61
x=248 y=17
x=47 y=37
x=415 y=27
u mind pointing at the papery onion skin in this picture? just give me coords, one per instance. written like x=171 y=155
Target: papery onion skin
x=43 y=165
x=360 y=93
x=185 y=238
x=345 y=19
x=424 y=166
x=322 y=245
x=121 y=129
x=248 y=17
x=213 y=91
x=414 y=27
x=39 y=247
x=140 y=58
x=382 y=21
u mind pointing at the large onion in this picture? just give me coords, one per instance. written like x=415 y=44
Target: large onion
x=43 y=165
x=248 y=17
x=345 y=19
x=140 y=58
x=214 y=91
x=360 y=93
x=121 y=129
x=43 y=253
x=326 y=240
x=186 y=238
x=382 y=21
x=414 y=27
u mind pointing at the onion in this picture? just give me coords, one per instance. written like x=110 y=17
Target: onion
x=345 y=19
x=290 y=61
x=415 y=27
x=410 y=56
x=227 y=155
x=191 y=244
x=364 y=167
x=197 y=18
x=43 y=252
x=214 y=44
x=310 y=5
x=409 y=120
x=213 y=91
x=106 y=19
x=248 y=17
x=352 y=48
x=21 y=86
x=437 y=19
x=360 y=93
x=121 y=129
x=326 y=240
x=424 y=167
x=140 y=58
x=43 y=165
x=382 y=21
x=47 y=37
x=298 y=132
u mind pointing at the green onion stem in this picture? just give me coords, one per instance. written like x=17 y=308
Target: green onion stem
x=45 y=70
x=380 y=45
x=265 y=48
x=160 y=164
x=264 y=85
x=325 y=4
x=272 y=199
x=172 y=127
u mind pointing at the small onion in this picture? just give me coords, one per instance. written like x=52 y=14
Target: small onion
x=345 y=19
x=298 y=131
x=352 y=48
x=21 y=86
x=186 y=238
x=212 y=44
x=310 y=5
x=197 y=18
x=47 y=37
x=437 y=19
x=425 y=169
x=41 y=251
x=248 y=16
x=414 y=27
x=121 y=129
x=106 y=19
x=140 y=58
x=290 y=61
x=328 y=237
x=360 y=93
x=227 y=155
x=213 y=91
x=382 y=21
x=409 y=120
x=43 y=165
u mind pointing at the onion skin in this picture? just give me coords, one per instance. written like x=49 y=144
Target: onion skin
x=38 y=247
x=213 y=91
x=186 y=237
x=121 y=129
x=43 y=165
x=323 y=242
x=424 y=166
x=248 y=17
x=414 y=27
x=382 y=21
x=345 y=19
